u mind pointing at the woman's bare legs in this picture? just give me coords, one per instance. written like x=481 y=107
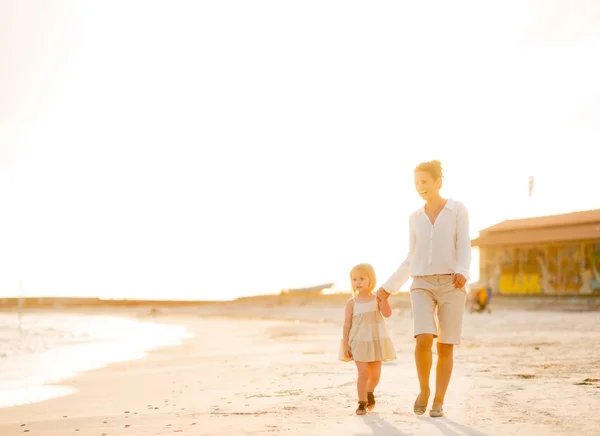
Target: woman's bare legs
x=423 y=357
x=443 y=373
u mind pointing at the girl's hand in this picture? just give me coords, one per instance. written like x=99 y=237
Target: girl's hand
x=347 y=351
x=382 y=294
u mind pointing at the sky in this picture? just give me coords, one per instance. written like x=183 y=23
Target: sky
x=210 y=150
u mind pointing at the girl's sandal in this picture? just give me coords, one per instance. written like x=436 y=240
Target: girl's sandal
x=361 y=408
x=370 y=401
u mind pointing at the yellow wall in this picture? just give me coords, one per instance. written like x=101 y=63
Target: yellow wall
x=526 y=284
x=553 y=268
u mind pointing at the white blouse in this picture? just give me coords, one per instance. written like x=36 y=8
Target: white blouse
x=442 y=247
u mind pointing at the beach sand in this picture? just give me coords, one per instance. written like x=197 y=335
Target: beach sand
x=517 y=372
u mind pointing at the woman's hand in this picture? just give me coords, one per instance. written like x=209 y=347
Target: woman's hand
x=459 y=281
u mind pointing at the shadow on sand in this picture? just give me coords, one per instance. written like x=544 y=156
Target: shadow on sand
x=447 y=427
x=380 y=427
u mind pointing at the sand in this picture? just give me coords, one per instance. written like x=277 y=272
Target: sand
x=517 y=372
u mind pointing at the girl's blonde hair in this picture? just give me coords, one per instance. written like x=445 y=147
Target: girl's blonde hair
x=368 y=271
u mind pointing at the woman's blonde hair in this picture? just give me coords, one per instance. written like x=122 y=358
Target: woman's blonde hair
x=434 y=168
x=368 y=271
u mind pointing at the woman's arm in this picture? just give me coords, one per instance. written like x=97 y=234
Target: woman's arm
x=400 y=276
x=384 y=307
x=463 y=242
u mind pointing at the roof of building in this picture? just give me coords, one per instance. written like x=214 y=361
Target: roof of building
x=552 y=228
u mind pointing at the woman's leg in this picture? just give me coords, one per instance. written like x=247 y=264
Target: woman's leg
x=363 y=378
x=443 y=373
x=423 y=308
x=374 y=375
x=423 y=363
x=450 y=313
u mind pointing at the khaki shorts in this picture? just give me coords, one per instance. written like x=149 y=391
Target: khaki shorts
x=430 y=292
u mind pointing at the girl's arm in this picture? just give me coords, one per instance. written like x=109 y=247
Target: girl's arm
x=348 y=320
x=384 y=307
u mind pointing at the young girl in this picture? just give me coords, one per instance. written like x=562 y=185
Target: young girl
x=365 y=336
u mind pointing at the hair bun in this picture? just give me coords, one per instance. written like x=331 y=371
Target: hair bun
x=433 y=167
x=438 y=166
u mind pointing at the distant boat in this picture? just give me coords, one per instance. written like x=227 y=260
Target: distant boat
x=318 y=289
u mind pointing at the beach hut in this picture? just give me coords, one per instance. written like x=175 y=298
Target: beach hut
x=552 y=255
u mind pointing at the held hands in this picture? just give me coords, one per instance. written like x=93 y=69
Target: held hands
x=459 y=281
x=382 y=295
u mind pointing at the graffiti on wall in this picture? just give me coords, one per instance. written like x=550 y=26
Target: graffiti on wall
x=591 y=272
x=560 y=269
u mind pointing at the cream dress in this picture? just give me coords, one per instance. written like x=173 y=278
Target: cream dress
x=369 y=338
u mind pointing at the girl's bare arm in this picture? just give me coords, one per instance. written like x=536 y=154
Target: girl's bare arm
x=384 y=307
x=348 y=320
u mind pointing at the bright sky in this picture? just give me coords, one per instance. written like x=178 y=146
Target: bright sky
x=208 y=150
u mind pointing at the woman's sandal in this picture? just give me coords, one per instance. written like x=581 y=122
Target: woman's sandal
x=370 y=401
x=436 y=413
x=419 y=410
x=362 y=410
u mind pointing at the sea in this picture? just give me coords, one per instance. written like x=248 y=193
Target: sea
x=38 y=350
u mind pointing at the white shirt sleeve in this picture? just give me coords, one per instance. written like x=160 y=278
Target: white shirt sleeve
x=463 y=241
x=401 y=275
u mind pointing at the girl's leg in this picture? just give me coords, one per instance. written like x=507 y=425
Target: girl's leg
x=361 y=387
x=374 y=375
x=363 y=378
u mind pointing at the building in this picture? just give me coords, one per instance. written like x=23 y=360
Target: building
x=553 y=255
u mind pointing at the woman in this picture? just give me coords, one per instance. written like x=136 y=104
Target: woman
x=439 y=259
